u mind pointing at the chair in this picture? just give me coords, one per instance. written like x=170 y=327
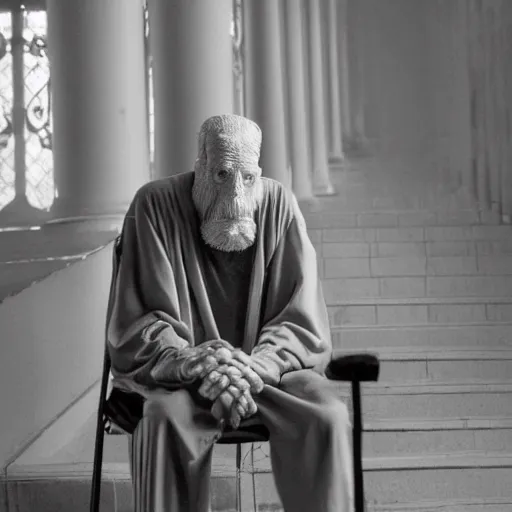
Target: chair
x=354 y=368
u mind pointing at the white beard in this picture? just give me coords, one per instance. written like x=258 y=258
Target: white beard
x=230 y=235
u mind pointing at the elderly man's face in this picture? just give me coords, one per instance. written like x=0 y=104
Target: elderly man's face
x=227 y=187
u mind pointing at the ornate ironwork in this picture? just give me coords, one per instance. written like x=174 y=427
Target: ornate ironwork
x=40 y=190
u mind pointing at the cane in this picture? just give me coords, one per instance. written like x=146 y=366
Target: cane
x=355 y=369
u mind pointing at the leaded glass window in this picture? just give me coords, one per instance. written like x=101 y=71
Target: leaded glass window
x=25 y=79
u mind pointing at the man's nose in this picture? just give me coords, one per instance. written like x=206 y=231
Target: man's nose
x=236 y=185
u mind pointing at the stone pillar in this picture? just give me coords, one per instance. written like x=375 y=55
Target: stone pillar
x=192 y=52
x=358 y=93
x=298 y=123
x=321 y=180
x=504 y=45
x=477 y=71
x=346 y=119
x=489 y=28
x=100 y=143
x=265 y=84
x=335 y=134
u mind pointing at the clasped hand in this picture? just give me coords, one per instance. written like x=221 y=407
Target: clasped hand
x=231 y=386
x=228 y=377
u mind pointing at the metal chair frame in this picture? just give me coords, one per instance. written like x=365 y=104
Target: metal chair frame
x=354 y=368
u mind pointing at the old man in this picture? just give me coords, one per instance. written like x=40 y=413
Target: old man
x=217 y=317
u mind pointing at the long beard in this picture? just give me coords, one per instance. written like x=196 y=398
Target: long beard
x=229 y=235
x=227 y=223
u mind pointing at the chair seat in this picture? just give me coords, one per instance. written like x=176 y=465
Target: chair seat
x=248 y=433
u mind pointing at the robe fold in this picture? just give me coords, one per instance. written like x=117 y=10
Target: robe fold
x=172 y=291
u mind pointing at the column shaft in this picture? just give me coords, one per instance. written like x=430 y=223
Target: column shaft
x=346 y=119
x=335 y=113
x=358 y=97
x=298 y=124
x=321 y=180
x=192 y=54
x=100 y=143
x=265 y=84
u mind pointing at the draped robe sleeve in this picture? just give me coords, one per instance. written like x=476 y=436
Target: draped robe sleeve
x=295 y=331
x=144 y=329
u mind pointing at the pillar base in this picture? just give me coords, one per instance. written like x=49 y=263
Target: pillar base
x=336 y=159
x=20 y=213
x=324 y=191
x=358 y=145
x=87 y=223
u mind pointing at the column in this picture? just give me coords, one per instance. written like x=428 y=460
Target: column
x=265 y=84
x=335 y=135
x=100 y=142
x=477 y=83
x=298 y=124
x=321 y=181
x=192 y=53
x=505 y=102
x=344 y=74
x=355 y=12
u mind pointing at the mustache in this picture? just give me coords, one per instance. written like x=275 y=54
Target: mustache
x=232 y=210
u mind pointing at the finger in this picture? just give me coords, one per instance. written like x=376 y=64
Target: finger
x=222 y=368
x=254 y=380
x=235 y=391
x=203 y=367
x=208 y=382
x=233 y=372
x=235 y=419
x=242 y=405
x=242 y=357
x=252 y=408
x=217 y=411
x=241 y=384
x=218 y=388
x=226 y=399
x=223 y=355
x=248 y=373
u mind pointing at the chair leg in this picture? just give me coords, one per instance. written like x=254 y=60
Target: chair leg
x=238 y=477
x=97 y=465
x=357 y=448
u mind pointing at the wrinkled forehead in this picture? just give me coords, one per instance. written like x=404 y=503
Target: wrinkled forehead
x=232 y=139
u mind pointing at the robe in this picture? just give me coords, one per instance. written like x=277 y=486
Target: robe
x=171 y=291
x=168 y=295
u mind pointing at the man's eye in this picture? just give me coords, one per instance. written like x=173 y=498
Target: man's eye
x=249 y=179
x=222 y=175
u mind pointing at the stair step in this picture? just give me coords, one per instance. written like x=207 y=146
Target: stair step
x=431 y=249
x=422 y=437
x=422 y=354
x=462 y=505
x=387 y=217
x=412 y=234
x=403 y=266
x=472 y=477
x=346 y=288
x=456 y=399
x=477 y=337
x=422 y=312
x=66 y=487
x=446 y=365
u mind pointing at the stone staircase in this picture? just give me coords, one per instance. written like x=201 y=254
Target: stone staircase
x=430 y=292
